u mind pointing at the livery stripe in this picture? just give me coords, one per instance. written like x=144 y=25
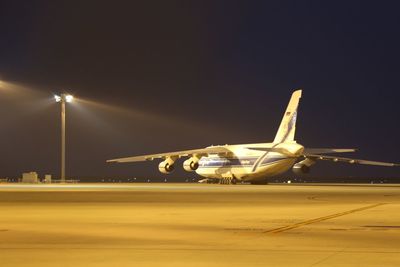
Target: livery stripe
x=229 y=166
x=257 y=164
x=220 y=164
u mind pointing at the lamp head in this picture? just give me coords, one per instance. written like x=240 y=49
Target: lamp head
x=69 y=98
x=64 y=97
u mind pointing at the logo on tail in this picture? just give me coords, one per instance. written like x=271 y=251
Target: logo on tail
x=287 y=128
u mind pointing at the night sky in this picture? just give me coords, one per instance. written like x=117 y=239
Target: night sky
x=156 y=76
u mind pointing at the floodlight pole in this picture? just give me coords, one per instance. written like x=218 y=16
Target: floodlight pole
x=62 y=99
x=63 y=138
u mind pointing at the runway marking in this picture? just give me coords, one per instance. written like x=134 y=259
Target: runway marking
x=320 y=219
x=383 y=226
x=180 y=249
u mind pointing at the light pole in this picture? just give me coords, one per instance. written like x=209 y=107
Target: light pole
x=62 y=99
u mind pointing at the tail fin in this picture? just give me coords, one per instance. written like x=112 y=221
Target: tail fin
x=287 y=128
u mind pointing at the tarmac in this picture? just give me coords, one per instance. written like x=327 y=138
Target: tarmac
x=199 y=225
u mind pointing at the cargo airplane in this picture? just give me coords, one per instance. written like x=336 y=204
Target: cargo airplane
x=253 y=163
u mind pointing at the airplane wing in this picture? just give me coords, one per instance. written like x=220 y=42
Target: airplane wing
x=271 y=149
x=350 y=160
x=306 y=150
x=327 y=150
x=221 y=150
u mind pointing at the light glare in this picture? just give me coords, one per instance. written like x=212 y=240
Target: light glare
x=69 y=98
x=57 y=98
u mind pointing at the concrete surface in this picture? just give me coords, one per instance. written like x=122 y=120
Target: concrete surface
x=199 y=225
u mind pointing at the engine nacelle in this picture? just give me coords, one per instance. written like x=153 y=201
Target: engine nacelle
x=300 y=169
x=166 y=166
x=303 y=167
x=190 y=165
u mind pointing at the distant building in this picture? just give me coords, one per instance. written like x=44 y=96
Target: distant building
x=30 y=178
x=47 y=179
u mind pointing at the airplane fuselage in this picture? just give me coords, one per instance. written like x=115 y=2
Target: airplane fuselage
x=248 y=164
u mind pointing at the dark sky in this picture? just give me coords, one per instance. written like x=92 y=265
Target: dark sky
x=155 y=76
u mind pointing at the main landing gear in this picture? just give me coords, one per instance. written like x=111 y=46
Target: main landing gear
x=230 y=180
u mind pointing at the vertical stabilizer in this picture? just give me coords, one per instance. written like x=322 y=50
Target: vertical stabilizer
x=287 y=128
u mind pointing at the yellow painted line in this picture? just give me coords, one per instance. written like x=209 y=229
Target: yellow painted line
x=320 y=219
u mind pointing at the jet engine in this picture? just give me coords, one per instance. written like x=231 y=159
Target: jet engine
x=191 y=164
x=303 y=167
x=166 y=166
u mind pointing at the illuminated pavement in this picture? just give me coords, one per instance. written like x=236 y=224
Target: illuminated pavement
x=199 y=225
